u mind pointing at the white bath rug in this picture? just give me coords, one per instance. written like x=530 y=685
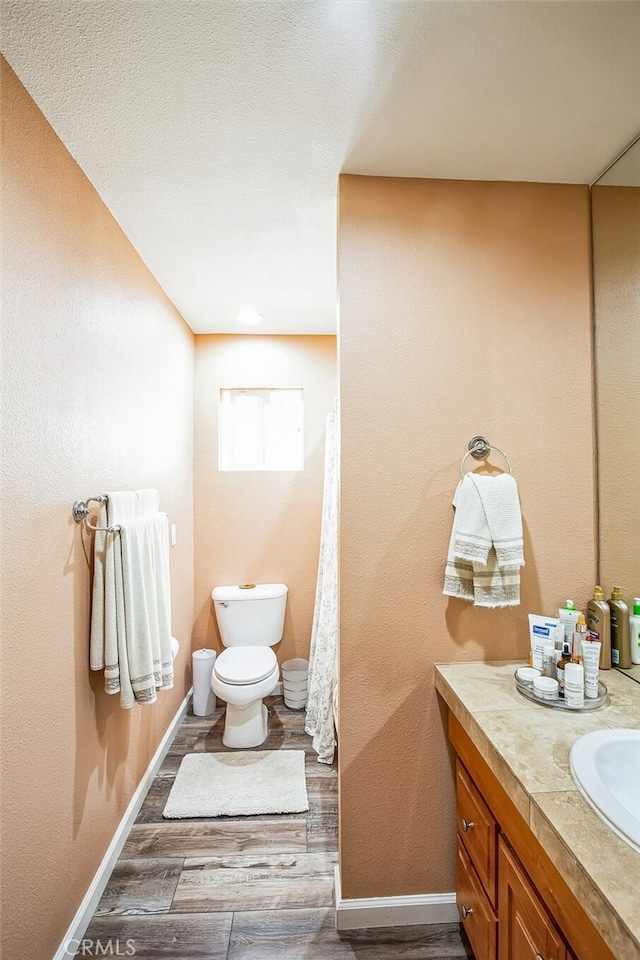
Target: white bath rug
x=236 y=784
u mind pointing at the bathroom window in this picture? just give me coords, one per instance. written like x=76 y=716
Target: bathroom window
x=261 y=429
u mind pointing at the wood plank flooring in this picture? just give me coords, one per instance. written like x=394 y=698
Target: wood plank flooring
x=245 y=888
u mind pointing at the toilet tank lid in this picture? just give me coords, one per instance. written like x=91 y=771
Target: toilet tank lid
x=256 y=591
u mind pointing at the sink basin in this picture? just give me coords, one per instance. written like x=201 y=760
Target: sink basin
x=605 y=765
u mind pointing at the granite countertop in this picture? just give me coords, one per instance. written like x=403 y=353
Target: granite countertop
x=526 y=745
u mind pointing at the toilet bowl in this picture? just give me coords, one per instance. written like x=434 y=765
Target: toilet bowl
x=242 y=676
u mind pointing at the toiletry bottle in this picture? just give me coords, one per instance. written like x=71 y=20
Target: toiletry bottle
x=620 y=646
x=562 y=662
x=559 y=640
x=634 y=631
x=574 y=685
x=568 y=615
x=579 y=635
x=549 y=659
x=590 y=659
x=599 y=625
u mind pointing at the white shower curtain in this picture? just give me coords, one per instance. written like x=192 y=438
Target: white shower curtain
x=323 y=658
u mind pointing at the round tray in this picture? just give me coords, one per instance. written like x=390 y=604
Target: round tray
x=588 y=704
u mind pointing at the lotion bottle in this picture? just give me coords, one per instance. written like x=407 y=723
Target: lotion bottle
x=634 y=631
x=620 y=646
x=599 y=625
x=574 y=685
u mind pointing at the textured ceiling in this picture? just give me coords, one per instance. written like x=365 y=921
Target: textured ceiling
x=215 y=130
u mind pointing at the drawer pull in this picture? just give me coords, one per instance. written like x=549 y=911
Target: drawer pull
x=467 y=911
x=467 y=825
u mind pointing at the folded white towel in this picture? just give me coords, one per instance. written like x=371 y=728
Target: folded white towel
x=486 y=545
x=107 y=603
x=500 y=505
x=148 y=501
x=145 y=571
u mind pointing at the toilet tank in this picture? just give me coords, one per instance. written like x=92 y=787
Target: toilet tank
x=250 y=616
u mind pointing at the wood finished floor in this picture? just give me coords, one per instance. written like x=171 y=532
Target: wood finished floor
x=245 y=888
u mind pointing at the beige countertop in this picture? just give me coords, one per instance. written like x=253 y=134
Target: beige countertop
x=526 y=745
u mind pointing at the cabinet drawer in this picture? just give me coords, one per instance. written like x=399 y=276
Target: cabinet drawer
x=478 y=831
x=476 y=913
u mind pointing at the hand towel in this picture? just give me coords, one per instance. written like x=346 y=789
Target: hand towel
x=501 y=506
x=479 y=568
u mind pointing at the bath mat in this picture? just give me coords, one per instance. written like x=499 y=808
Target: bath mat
x=241 y=783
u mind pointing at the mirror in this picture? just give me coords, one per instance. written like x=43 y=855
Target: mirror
x=615 y=204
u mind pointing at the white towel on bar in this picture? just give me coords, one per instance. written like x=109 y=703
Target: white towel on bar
x=131 y=608
x=107 y=609
x=147 y=606
x=486 y=544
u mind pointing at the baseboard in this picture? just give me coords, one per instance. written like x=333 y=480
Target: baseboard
x=393 y=911
x=86 y=910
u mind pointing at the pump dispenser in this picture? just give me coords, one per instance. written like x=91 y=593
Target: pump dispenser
x=599 y=625
x=634 y=631
x=620 y=646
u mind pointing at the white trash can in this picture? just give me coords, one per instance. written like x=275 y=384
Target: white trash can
x=295 y=677
x=204 y=699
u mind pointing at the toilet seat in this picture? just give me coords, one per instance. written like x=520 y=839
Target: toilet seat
x=243 y=665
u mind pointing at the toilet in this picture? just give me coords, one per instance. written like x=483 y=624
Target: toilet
x=251 y=620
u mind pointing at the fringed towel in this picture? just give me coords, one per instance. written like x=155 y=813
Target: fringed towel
x=486 y=546
x=131 y=608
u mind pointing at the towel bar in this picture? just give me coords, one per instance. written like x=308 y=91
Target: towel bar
x=81 y=510
x=478 y=448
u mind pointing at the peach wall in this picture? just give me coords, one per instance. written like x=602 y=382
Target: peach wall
x=97 y=395
x=616 y=255
x=464 y=309
x=260 y=527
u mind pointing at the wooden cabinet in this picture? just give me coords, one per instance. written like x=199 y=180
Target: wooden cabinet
x=512 y=901
x=526 y=930
x=477 y=916
x=478 y=831
x=476 y=885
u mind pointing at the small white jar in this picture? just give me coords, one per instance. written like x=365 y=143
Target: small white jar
x=546 y=688
x=526 y=675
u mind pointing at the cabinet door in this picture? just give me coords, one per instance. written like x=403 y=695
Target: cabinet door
x=478 y=830
x=525 y=931
x=476 y=914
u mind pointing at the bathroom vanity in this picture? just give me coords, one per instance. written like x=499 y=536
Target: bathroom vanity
x=537 y=870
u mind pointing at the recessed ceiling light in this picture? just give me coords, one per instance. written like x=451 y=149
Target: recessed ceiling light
x=249 y=318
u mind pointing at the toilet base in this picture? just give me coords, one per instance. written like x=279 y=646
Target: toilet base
x=245 y=726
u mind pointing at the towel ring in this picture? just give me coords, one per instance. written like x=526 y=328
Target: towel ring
x=479 y=448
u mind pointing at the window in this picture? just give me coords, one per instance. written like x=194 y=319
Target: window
x=261 y=429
